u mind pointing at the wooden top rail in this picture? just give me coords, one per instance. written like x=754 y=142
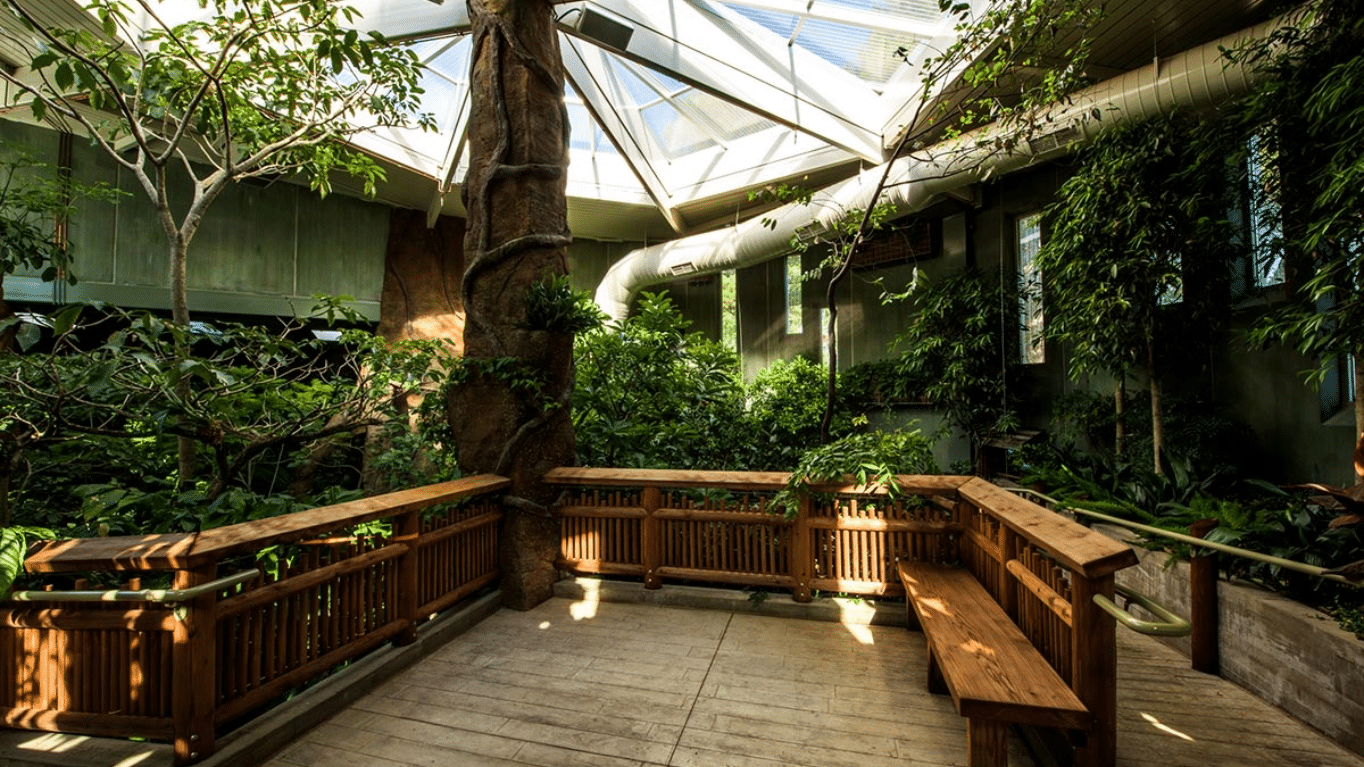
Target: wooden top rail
x=738 y=480
x=1084 y=551
x=722 y=480
x=182 y=551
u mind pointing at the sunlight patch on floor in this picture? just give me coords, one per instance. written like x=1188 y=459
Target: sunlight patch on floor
x=53 y=743
x=1156 y=723
x=586 y=608
x=860 y=632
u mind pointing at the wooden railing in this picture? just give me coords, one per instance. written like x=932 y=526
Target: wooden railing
x=722 y=527
x=332 y=585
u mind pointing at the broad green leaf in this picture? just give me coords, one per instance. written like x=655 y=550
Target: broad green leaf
x=13 y=549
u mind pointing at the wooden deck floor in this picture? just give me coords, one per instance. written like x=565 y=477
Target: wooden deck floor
x=622 y=685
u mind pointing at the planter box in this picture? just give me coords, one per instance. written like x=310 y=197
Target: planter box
x=1281 y=650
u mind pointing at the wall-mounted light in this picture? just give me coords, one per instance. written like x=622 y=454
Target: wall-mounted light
x=604 y=30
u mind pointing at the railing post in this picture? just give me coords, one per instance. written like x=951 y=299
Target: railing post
x=651 y=536
x=407 y=529
x=193 y=674
x=1008 y=549
x=1203 y=608
x=802 y=553
x=1094 y=669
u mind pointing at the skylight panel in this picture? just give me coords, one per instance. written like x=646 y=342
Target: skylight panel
x=724 y=119
x=674 y=134
x=867 y=53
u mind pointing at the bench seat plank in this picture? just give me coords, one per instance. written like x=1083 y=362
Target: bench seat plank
x=990 y=668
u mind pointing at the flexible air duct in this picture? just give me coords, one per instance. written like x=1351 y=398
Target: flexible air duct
x=1195 y=78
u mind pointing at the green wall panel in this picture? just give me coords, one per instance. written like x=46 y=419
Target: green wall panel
x=246 y=241
x=341 y=243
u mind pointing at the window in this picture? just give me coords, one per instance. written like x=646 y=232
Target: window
x=1337 y=391
x=1265 y=227
x=795 y=319
x=729 y=309
x=1028 y=232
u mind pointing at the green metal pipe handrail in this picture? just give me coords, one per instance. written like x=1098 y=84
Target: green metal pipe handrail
x=1169 y=625
x=1287 y=564
x=143 y=595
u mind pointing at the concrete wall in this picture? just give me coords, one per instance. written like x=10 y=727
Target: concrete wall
x=1281 y=650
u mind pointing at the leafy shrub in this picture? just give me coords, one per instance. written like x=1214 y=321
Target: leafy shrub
x=651 y=394
x=276 y=410
x=868 y=458
x=786 y=406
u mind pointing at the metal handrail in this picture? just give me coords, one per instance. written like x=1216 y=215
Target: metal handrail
x=1287 y=564
x=1169 y=625
x=143 y=595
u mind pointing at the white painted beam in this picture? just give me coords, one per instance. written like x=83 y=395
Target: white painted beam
x=602 y=93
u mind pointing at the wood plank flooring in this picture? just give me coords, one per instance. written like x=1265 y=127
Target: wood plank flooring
x=627 y=685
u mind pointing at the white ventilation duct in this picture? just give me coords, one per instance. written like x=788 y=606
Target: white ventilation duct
x=1195 y=78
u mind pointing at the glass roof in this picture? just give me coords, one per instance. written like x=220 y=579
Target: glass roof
x=779 y=89
x=676 y=106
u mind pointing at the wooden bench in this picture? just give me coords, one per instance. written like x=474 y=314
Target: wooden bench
x=976 y=653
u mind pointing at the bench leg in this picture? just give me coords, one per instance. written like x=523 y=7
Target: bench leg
x=986 y=743
x=936 y=684
x=912 y=617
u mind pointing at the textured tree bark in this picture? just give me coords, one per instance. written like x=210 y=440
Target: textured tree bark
x=517 y=236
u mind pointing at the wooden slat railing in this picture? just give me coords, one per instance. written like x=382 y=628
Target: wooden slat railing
x=327 y=593
x=722 y=527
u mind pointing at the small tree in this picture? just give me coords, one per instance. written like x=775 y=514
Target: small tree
x=1307 y=113
x=956 y=344
x=1137 y=246
x=252 y=88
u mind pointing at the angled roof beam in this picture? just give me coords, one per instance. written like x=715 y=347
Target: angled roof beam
x=586 y=68
x=713 y=49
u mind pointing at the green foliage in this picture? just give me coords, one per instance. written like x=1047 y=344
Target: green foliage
x=786 y=405
x=873 y=458
x=956 y=345
x=1197 y=431
x=1014 y=57
x=265 y=87
x=878 y=383
x=1307 y=114
x=14 y=542
x=275 y=410
x=651 y=394
x=552 y=304
x=1138 y=246
x=1253 y=515
x=242 y=90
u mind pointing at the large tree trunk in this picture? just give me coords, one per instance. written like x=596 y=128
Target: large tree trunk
x=517 y=236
